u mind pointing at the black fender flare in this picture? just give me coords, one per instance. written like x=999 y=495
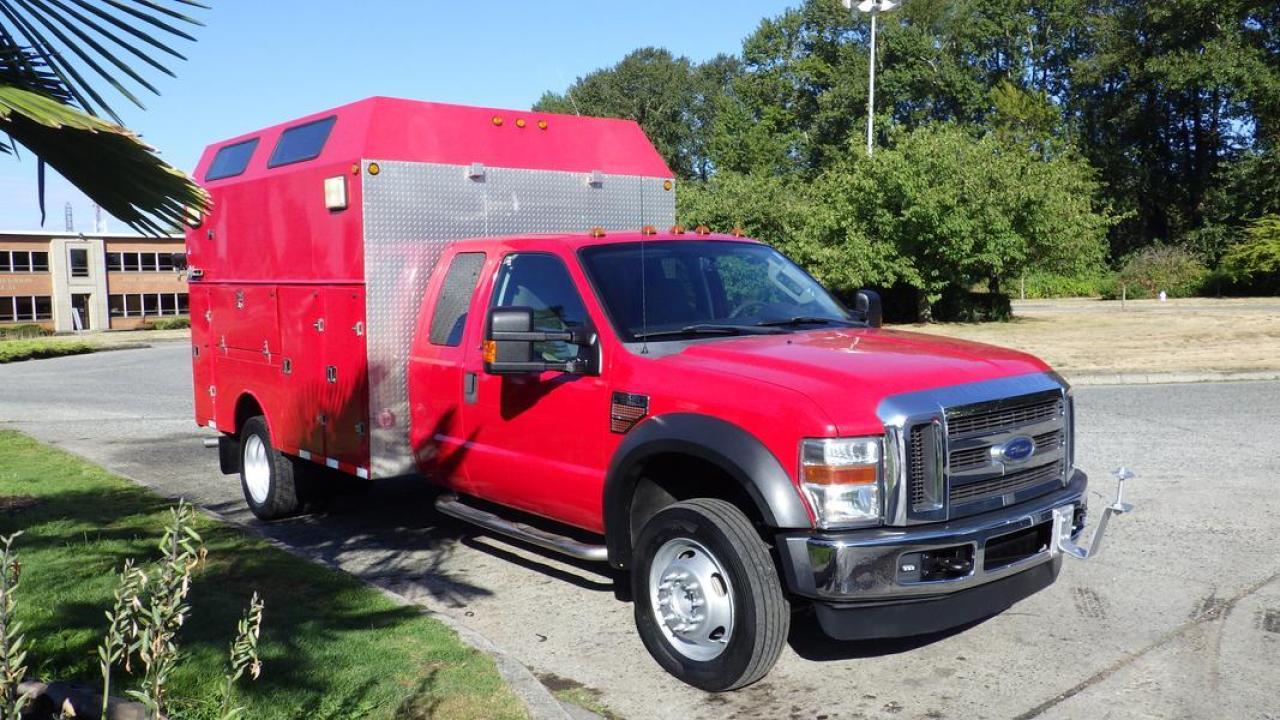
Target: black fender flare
x=729 y=447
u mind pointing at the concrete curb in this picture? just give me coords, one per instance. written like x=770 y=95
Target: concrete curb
x=1140 y=378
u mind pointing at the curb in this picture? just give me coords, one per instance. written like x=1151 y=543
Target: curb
x=1172 y=378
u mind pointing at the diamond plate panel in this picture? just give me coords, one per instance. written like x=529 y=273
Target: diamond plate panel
x=412 y=211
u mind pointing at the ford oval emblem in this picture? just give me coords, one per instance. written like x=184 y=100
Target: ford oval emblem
x=1017 y=449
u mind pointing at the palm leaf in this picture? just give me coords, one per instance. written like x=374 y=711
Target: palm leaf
x=81 y=39
x=107 y=162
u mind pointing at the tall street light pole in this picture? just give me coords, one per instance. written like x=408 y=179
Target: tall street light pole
x=874 y=7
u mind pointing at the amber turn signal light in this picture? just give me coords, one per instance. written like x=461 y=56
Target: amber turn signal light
x=840 y=475
x=490 y=353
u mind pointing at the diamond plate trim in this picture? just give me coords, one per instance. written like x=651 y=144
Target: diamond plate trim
x=412 y=211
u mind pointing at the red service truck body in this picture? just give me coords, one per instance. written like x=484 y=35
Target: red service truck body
x=481 y=297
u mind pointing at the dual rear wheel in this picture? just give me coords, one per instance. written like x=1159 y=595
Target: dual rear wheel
x=269 y=478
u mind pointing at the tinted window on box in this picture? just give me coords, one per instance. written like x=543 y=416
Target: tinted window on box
x=231 y=160
x=301 y=142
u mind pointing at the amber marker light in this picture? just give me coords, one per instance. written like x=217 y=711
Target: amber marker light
x=667 y=185
x=355 y=168
x=490 y=351
x=737 y=231
x=497 y=121
x=702 y=230
x=374 y=169
x=677 y=229
x=520 y=122
x=542 y=124
x=597 y=232
x=648 y=230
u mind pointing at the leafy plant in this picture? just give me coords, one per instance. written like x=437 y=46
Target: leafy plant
x=244 y=656
x=47 y=47
x=1176 y=271
x=122 y=625
x=1256 y=261
x=12 y=656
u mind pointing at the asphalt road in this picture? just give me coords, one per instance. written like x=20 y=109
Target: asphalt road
x=1179 y=618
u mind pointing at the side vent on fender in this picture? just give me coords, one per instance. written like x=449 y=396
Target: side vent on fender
x=627 y=410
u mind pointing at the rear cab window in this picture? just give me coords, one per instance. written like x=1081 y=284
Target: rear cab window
x=231 y=160
x=450 y=316
x=301 y=142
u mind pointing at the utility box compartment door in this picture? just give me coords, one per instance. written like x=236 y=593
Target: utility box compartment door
x=300 y=425
x=201 y=355
x=346 y=388
x=244 y=317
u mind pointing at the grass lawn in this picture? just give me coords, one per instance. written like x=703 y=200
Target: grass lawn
x=15 y=350
x=332 y=648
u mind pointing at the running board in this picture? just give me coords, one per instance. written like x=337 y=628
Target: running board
x=453 y=507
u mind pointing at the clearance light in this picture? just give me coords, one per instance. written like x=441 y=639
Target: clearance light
x=374 y=169
x=542 y=124
x=667 y=185
x=702 y=230
x=335 y=193
x=497 y=121
x=737 y=231
x=490 y=351
x=677 y=229
x=597 y=232
x=520 y=122
x=355 y=168
x=648 y=230
x=841 y=480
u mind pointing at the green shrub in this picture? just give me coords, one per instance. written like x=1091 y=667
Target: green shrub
x=1041 y=285
x=1174 y=270
x=170 y=323
x=957 y=305
x=1253 y=266
x=24 y=331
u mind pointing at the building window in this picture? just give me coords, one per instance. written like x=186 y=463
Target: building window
x=39 y=262
x=164 y=262
x=26 y=308
x=130 y=261
x=147 y=304
x=79 y=262
x=21 y=261
x=114 y=262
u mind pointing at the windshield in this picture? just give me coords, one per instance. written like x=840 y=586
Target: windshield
x=705 y=288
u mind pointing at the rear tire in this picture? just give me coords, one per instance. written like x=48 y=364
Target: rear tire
x=268 y=477
x=720 y=620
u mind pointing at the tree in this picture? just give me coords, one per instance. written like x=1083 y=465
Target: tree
x=47 y=105
x=671 y=98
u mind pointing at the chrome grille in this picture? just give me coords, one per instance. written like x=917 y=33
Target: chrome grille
x=916 y=464
x=979 y=457
x=1003 y=484
x=965 y=421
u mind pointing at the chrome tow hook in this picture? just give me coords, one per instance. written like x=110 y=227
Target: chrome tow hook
x=1064 y=519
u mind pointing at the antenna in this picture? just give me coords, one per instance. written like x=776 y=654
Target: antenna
x=71 y=224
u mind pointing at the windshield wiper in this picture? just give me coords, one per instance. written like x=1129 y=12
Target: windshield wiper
x=704 y=329
x=804 y=320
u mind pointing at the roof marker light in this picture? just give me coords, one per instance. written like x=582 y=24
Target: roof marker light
x=667 y=185
x=597 y=232
x=520 y=122
x=648 y=230
x=702 y=230
x=737 y=232
x=497 y=121
x=374 y=169
x=677 y=229
x=355 y=168
x=542 y=124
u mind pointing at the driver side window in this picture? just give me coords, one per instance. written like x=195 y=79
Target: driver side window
x=541 y=282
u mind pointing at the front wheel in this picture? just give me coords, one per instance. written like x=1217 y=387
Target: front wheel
x=708 y=602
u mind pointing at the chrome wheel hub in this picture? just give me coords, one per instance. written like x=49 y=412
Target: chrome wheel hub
x=692 y=599
x=257 y=469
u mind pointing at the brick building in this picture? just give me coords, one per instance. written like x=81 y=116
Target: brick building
x=90 y=281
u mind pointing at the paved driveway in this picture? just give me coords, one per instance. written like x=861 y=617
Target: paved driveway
x=1179 y=618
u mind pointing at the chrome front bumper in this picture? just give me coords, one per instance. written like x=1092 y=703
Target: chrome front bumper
x=867 y=565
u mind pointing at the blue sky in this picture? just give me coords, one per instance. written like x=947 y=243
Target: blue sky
x=260 y=62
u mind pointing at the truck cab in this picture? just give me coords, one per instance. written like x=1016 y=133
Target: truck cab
x=692 y=408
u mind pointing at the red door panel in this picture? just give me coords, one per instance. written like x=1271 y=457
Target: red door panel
x=244 y=317
x=201 y=356
x=345 y=399
x=298 y=425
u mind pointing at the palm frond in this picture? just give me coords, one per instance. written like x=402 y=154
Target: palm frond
x=82 y=43
x=107 y=162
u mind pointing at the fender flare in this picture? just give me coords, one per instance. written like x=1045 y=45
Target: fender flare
x=727 y=446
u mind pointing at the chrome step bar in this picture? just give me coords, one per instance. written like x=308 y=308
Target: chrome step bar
x=455 y=508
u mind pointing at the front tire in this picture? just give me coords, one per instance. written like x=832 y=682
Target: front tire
x=267 y=476
x=708 y=602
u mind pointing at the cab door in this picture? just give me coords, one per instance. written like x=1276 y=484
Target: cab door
x=537 y=441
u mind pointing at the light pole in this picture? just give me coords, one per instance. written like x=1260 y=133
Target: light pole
x=875 y=7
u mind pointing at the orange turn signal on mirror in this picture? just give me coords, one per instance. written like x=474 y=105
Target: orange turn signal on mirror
x=490 y=353
x=840 y=474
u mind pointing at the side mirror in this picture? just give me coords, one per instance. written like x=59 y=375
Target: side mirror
x=867 y=304
x=508 y=348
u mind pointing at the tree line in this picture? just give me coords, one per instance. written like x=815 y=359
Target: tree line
x=1076 y=142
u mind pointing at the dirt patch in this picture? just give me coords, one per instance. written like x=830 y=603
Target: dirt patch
x=1178 y=336
x=567 y=690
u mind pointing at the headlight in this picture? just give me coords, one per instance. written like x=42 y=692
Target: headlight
x=841 y=478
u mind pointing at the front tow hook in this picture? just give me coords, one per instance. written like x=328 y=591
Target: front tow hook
x=1064 y=519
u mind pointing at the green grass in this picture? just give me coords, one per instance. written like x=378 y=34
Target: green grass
x=15 y=350
x=332 y=647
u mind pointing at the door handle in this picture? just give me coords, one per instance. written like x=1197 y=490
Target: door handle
x=470 y=387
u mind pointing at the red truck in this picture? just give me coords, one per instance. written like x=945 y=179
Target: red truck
x=492 y=299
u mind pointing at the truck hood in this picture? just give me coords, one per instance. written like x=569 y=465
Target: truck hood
x=848 y=371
